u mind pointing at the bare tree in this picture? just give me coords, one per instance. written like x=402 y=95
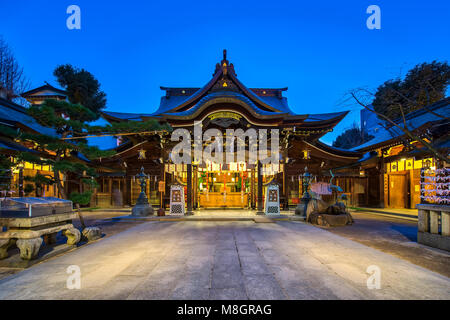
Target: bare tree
x=364 y=98
x=12 y=79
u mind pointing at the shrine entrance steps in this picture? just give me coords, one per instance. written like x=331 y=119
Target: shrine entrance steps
x=219 y=215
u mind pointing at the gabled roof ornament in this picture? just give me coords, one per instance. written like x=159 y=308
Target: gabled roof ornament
x=225 y=65
x=224 y=60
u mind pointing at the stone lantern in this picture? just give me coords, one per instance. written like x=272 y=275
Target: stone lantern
x=302 y=207
x=142 y=207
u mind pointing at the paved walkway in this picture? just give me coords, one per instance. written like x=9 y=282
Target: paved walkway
x=397 y=237
x=226 y=260
x=408 y=214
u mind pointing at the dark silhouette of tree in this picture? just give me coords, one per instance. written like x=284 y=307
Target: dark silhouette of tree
x=423 y=85
x=351 y=138
x=81 y=87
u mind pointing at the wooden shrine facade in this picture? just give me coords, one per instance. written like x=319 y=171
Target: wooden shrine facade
x=223 y=103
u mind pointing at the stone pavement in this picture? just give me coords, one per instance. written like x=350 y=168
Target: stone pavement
x=225 y=260
x=407 y=214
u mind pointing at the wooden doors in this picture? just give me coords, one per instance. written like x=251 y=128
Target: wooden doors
x=398 y=193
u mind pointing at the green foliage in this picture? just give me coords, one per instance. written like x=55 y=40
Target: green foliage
x=130 y=126
x=70 y=121
x=5 y=161
x=64 y=117
x=81 y=87
x=40 y=179
x=423 y=85
x=92 y=183
x=351 y=138
x=5 y=171
x=82 y=198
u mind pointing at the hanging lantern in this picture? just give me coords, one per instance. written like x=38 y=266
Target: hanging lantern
x=306 y=155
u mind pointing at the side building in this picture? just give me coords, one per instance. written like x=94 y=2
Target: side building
x=392 y=161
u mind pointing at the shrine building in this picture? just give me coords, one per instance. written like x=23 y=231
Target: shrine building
x=224 y=102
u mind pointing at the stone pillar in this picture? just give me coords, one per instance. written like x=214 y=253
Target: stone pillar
x=189 y=189
x=260 y=189
x=434 y=221
x=423 y=221
x=445 y=223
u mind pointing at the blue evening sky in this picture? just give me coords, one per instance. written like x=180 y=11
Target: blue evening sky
x=319 y=49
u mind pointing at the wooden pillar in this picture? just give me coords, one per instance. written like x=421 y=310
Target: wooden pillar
x=252 y=189
x=163 y=175
x=21 y=193
x=125 y=190
x=285 y=188
x=110 y=191
x=381 y=181
x=353 y=198
x=195 y=195
x=366 y=190
x=260 y=188
x=189 y=188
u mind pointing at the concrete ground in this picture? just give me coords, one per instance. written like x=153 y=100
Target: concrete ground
x=410 y=214
x=94 y=218
x=395 y=236
x=226 y=260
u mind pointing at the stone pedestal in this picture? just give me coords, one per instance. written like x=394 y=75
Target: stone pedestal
x=29 y=248
x=73 y=236
x=434 y=225
x=302 y=207
x=142 y=208
x=27 y=233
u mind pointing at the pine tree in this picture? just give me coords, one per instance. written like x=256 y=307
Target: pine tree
x=67 y=120
x=70 y=121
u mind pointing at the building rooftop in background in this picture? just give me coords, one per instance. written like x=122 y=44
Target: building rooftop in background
x=424 y=117
x=47 y=91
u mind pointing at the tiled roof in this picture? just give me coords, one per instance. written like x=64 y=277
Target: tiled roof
x=414 y=120
x=13 y=112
